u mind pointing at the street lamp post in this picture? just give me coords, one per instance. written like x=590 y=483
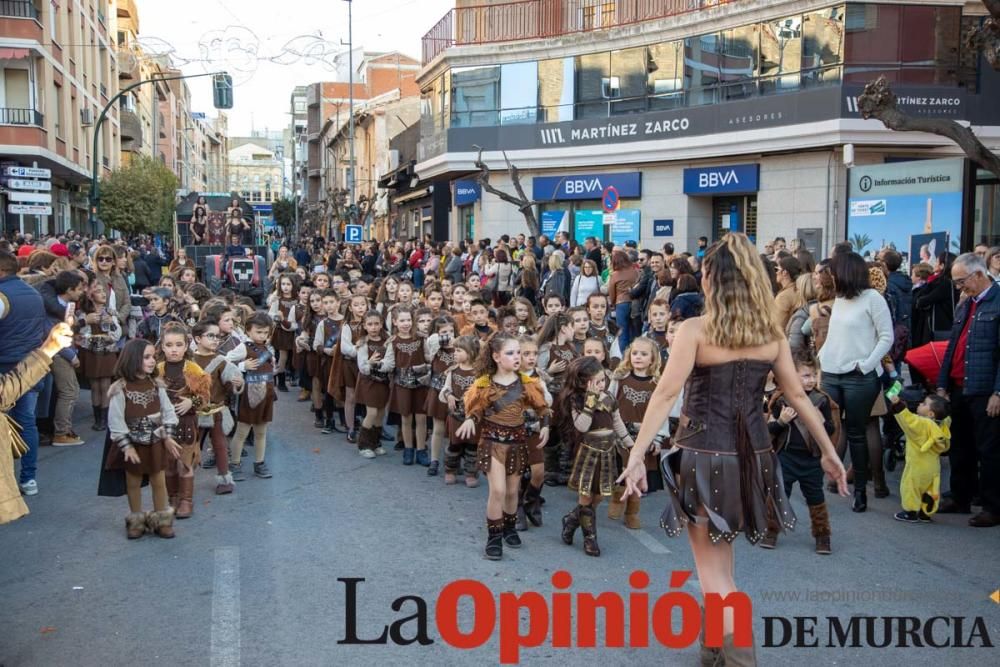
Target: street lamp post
x=95 y=196
x=350 y=88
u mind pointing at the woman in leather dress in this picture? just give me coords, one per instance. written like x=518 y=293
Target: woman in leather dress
x=721 y=473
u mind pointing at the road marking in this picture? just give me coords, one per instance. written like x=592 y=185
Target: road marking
x=649 y=541
x=226 y=608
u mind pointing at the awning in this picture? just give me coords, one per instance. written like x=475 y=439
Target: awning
x=14 y=54
x=410 y=196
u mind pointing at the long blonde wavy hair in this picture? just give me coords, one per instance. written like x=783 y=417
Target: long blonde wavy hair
x=739 y=304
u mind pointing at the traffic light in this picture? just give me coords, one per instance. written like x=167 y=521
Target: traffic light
x=222 y=91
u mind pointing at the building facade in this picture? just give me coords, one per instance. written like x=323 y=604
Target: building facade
x=704 y=117
x=257 y=175
x=59 y=67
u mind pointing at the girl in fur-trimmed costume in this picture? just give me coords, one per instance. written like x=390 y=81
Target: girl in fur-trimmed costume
x=99 y=351
x=529 y=502
x=589 y=417
x=373 y=384
x=141 y=427
x=458 y=378
x=189 y=389
x=495 y=406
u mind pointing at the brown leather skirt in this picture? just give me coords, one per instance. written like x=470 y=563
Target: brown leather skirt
x=370 y=393
x=434 y=408
x=349 y=372
x=595 y=467
x=152 y=459
x=282 y=340
x=707 y=488
x=508 y=445
x=536 y=454
x=98 y=365
x=404 y=401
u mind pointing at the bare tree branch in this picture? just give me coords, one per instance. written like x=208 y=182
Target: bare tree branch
x=878 y=101
x=523 y=204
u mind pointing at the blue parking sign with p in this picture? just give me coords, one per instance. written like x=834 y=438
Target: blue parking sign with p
x=352 y=233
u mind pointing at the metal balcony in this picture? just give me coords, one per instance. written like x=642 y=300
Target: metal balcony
x=10 y=116
x=19 y=9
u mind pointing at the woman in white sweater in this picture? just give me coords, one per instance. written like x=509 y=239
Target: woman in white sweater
x=585 y=284
x=859 y=336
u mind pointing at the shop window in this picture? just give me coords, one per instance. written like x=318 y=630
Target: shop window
x=598 y=14
x=475 y=95
x=519 y=93
x=556 y=80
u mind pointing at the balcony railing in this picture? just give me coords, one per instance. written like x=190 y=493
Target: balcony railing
x=536 y=19
x=20 y=117
x=20 y=9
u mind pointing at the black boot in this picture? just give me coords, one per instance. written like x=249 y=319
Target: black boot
x=565 y=463
x=860 y=499
x=494 y=539
x=570 y=523
x=588 y=525
x=280 y=381
x=533 y=504
x=97 y=420
x=320 y=420
x=510 y=535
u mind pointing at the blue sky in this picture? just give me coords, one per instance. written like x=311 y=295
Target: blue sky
x=905 y=216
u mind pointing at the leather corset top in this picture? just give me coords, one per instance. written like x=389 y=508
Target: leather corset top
x=719 y=401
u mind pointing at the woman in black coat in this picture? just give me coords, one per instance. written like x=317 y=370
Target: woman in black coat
x=934 y=304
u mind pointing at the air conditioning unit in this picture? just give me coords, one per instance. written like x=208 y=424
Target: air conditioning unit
x=393 y=159
x=86 y=117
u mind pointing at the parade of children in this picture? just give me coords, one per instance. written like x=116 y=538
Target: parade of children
x=524 y=393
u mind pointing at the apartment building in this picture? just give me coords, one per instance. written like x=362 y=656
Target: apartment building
x=705 y=115
x=59 y=68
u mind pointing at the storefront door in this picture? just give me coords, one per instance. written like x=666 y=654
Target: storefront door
x=734 y=214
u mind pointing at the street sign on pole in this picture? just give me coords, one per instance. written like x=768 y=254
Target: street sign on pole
x=20 y=184
x=610 y=199
x=352 y=233
x=38 y=197
x=29 y=209
x=27 y=172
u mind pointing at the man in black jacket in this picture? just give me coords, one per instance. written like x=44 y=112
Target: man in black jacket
x=640 y=290
x=594 y=252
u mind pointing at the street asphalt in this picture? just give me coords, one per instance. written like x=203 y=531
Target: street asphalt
x=252 y=578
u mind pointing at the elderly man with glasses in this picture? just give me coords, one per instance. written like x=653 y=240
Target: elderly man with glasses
x=970 y=376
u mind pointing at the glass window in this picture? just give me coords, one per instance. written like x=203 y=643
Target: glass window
x=555 y=89
x=906 y=44
x=822 y=45
x=780 y=54
x=476 y=94
x=701 y=68
x=594 y=85
x=519 y=93
x=665 y=75
x=738 y=61
x=628 y=75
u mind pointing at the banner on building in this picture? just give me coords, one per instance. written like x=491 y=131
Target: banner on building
x=554 y=221
x=625 y=227
x=587 y=224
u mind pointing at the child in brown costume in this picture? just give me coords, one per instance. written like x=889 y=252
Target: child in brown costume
x=458 y=379
x=495 y=406
x=141 y=426
x=256 y=359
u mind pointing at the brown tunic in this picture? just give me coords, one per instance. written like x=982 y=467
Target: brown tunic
x=406 y=396
x=565 y=353
x=373 y=391
x=499 y=413
x=283 y=338
x=349 y=366
x=460 y=383
x=187 y=427
x=142 y=402
x=439 y=366
x=263 y=412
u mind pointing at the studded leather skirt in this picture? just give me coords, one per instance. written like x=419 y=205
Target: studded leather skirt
x=507 y=444
x=595 y=467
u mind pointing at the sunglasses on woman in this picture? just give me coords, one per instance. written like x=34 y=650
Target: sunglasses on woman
x=105 y=259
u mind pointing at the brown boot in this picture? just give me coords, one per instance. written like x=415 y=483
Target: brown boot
x=161 y=523
x=185 y=497
x=632 y=512
x=224 y=484
x=522 y=518
x=770 y=540
x=135 y=525
x=737 y=656
x=570 y=522
x=367 y=441
x=588 y=526
x=616 y=507
x=494 y=539
x=820 y=520
x=533 y=504
x=172 y=486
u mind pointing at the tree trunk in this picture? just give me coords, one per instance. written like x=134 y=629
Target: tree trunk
x=878 y=101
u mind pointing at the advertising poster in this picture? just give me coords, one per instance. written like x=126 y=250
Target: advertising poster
x=588 y=223
x=625 y=227
x=890 y=203
x=925 y=248
x=554 y=221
